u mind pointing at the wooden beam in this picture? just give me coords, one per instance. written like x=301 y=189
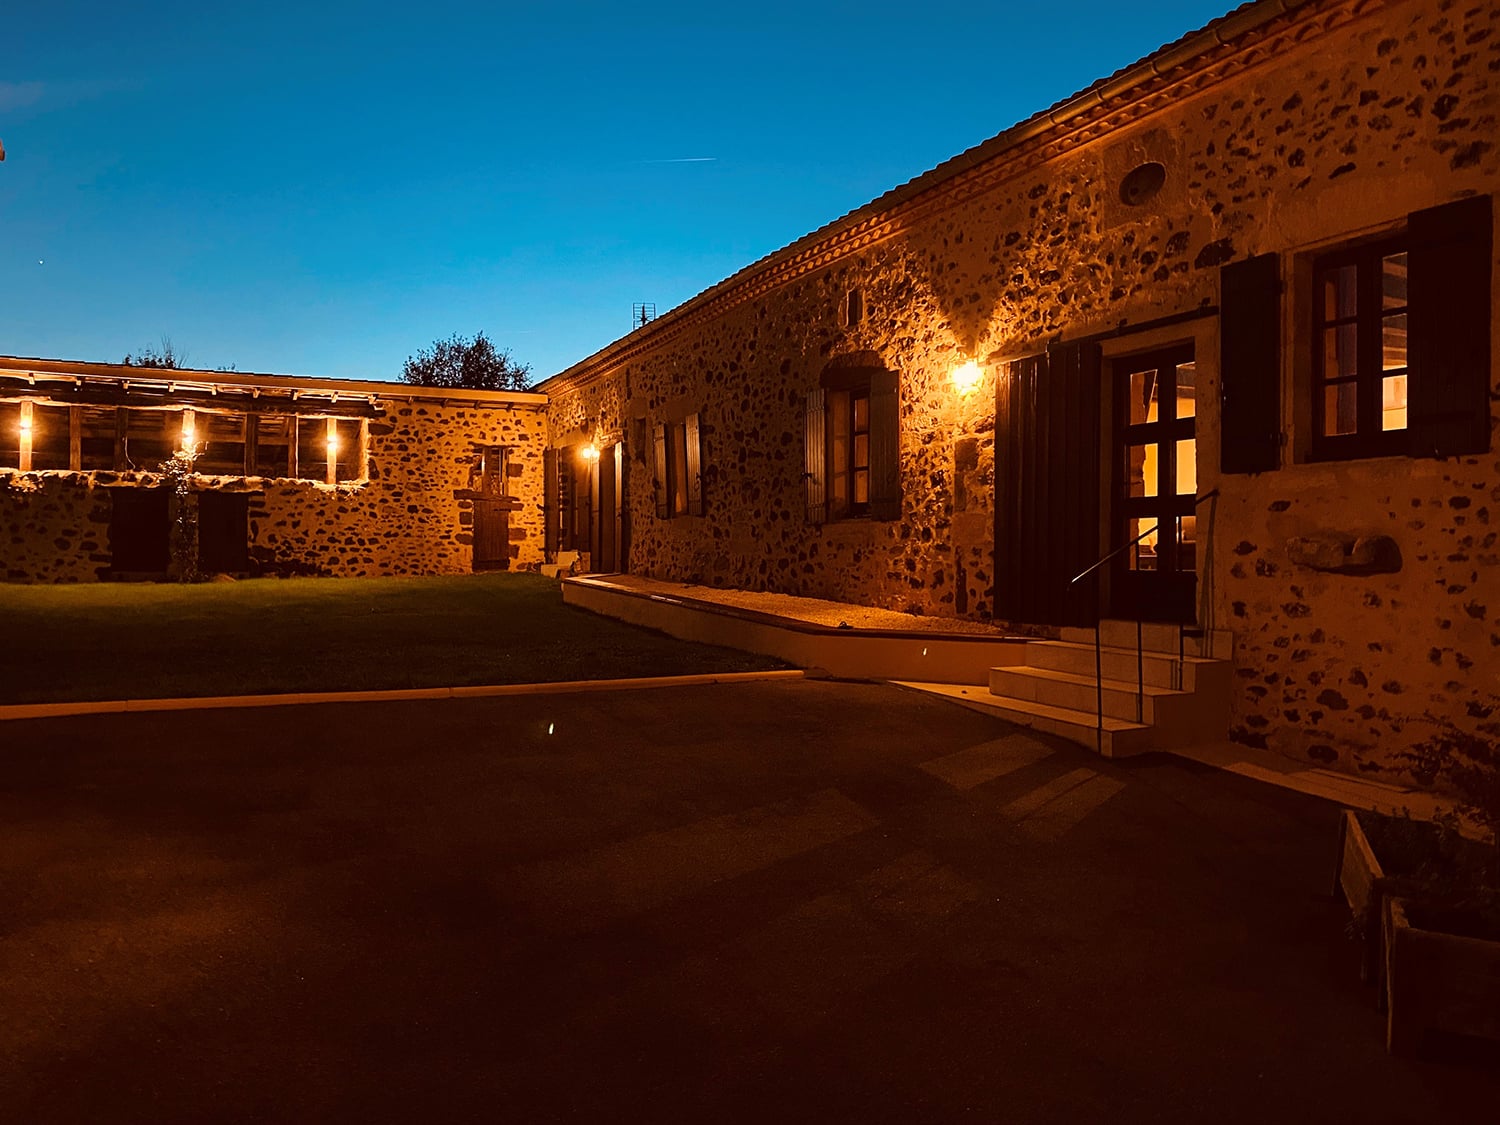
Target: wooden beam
x=75 y=438
x=96 y=395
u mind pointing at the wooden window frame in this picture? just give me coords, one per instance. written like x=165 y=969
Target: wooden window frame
x=843 y=419
x=1368 y=438
x=677 y=480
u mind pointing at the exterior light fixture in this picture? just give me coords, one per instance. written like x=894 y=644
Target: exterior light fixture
x=591 y=452
x=189 y=429
x=25 y=425
x=966 y=377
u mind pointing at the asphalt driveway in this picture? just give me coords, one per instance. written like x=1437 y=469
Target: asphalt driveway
x=792 y=901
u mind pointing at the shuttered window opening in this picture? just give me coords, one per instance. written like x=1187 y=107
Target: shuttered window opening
x=1400 y=350
x=852 y=446
x=677 y=479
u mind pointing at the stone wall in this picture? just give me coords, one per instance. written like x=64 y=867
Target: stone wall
x=408 y=517
x=405 y=519
x=54 y=527
x=1322 y=126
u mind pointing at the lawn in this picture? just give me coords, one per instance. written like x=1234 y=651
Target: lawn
x=134 y=641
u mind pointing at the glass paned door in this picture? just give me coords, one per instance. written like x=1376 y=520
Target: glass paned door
x=1156 y=483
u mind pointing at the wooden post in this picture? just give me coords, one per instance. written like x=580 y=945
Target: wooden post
x=122 y=422
x=26 y=423
x=75 y=438
x=333 y=451
x=252 y=443
x=294 y=435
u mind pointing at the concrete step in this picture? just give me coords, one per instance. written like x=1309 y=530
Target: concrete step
x=1157 y=668
x=1079 y=693
x=1119 y=737
x=1155 y=637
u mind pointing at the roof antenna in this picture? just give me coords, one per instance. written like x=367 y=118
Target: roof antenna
x=641 y=313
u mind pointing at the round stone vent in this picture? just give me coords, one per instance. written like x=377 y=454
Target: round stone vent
x=1141 y=183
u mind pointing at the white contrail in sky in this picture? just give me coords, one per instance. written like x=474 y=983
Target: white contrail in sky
x=683 y=160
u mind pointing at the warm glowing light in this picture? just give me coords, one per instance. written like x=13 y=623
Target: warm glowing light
x=189 y=428
x=25 y=425
x=966 y=377
x=591 y=452
x=333 y=442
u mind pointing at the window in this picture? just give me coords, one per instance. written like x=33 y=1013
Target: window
x=853 y=446
x=1359 y=371
x=852 y=308
x=678 y=481
x=1393 y=340
x=488 y=474
x=849 y=452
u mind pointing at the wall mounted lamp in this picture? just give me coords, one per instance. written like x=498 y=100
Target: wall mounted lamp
x=966 y=377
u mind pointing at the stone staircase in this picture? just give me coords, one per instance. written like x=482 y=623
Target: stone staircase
x=1182 y=701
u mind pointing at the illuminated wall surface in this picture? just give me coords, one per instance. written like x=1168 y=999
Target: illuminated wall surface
x=1312 y=138
x=387 y=493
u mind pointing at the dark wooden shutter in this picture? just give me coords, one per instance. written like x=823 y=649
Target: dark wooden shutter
x=659 y=482
x=551 y=510
x=885 y=446
x=694 y=468
x=621 y=564
x=1047 y=486
x=1250 y=365
x=1448 y=279
x=815 y=474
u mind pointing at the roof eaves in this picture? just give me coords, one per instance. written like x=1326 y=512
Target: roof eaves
x=1219 y=32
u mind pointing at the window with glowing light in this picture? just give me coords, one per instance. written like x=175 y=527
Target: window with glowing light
x=1359 y=352
x=853 y=445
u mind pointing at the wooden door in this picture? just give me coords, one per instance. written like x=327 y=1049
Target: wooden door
x=1047 y=486
x=223 y=532
x=1156 y=484
x=491 y=533
x=140 y=530
x=606 y=549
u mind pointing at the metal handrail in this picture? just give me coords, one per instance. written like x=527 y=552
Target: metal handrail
x=1140 y=659
x=1209 y=495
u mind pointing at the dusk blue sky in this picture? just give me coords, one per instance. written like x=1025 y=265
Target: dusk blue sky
x=324 y=188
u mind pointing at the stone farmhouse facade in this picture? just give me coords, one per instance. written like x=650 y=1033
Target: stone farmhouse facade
x=292 y=476
x=1234 y=303
x=1226 y=320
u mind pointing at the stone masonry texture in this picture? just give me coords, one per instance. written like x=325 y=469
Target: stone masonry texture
x=1330 y=124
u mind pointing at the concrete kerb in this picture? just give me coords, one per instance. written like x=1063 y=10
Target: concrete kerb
x=292 y=699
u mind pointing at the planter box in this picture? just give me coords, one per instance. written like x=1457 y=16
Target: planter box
x=1359 y=871
x=1437 y=980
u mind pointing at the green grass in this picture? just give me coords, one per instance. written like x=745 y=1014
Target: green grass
x=136 y=641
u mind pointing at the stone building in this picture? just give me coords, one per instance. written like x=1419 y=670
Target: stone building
x=1231 y=305
x=291 y=476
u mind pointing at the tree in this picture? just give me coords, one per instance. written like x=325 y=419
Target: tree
x=459 y=362
x=150 y=357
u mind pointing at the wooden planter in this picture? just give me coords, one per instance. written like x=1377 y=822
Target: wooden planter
x=1436 y=980
x=1359 y=872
